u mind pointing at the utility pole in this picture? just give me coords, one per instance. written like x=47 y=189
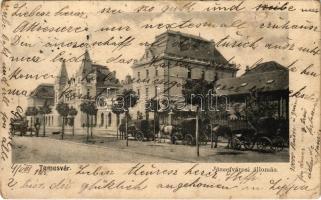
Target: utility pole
x=212 y=146
x=126 y=128
x=197 y=134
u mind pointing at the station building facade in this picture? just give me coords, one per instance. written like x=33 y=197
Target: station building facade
x=171 y=59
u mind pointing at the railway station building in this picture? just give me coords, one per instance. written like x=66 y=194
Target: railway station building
x=171 y=59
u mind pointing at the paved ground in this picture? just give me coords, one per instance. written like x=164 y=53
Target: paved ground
x=75 y=149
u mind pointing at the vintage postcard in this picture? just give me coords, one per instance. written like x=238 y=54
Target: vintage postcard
x=160 y=99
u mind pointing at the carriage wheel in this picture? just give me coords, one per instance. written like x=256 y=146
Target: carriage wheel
x=139 y=136
x=277 y=144
x=176 y=137
x=248 y=143
x=263 y=143
x=236 y=143
x=188 y=140
x=204 y=139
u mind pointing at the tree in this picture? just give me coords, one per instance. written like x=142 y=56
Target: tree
x=151 y=106
x=197 y=92
x=92 y=112
x=73 y=112
x=63 y=110
x=31 y=111
x=90 y=109
x=117 y=109
x=44 y=110
x=126 y=100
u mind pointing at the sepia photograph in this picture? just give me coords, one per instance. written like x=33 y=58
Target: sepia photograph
x=160 y=99
x=181 y=101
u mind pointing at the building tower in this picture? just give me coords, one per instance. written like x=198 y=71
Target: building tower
x=60 y=82
x=87 y=76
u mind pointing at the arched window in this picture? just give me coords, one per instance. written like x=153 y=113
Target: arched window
x=203 y=74
x=102 y=119
x=109 y=119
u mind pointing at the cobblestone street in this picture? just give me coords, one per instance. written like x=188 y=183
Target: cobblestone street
x=75 y=149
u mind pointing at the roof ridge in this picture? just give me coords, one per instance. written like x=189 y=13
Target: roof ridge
x=47 y=84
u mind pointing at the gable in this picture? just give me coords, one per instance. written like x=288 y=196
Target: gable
x=266 y=67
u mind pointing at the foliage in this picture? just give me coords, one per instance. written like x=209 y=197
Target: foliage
x=117 y=108
x=63 y=109
x=130 y=98
x=72 y=111
x=88 y=107
x=126 y=100
x=196 y=92
x=45 y=109
x=194 y=87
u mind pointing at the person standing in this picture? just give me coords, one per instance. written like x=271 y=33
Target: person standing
x=37 y=127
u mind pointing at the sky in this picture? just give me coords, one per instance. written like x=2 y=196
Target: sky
x=241 y=56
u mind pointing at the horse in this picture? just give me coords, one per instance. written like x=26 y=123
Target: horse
x=122 y=131
x=167 y=131
x=224 y=131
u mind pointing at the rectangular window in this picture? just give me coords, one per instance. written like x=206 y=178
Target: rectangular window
x=147 y=73
x=147 y=93
x=203 y=74
x=189 y=73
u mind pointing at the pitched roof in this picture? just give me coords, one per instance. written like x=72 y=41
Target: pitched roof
x=86 y=65
x=181 y=45
x=264 y=82
x=265 y=67
x=44 y=91
x=62 y=77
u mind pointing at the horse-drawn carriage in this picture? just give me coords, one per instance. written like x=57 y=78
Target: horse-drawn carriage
x=267 y=134
x=139 y=129
x=19 y=125
x=188 y=132
x=185 y=131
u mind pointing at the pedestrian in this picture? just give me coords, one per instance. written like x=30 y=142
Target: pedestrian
x=37 y=127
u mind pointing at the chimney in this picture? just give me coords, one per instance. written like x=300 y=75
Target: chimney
x=247 y=68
